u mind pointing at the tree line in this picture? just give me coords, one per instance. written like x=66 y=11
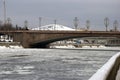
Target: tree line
x=7 y=26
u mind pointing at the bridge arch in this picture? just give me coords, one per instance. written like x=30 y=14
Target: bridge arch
x=45 y=44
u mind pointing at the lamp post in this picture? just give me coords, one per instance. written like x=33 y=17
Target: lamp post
x=40 y=19
x=4 y=4
x=55 y=22
x=115 y=25
x=88 y=25
x=106 y=22
x=76 y=23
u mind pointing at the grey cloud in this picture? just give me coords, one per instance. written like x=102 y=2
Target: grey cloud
x=95 y=10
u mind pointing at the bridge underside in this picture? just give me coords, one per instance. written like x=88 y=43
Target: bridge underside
x=46 y=44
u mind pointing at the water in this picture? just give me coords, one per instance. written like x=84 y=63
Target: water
x=51 y=64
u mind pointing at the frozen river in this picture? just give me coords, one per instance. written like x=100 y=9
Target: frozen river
x=51 y=64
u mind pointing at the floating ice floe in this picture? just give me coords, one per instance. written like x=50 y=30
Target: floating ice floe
x=19 y=70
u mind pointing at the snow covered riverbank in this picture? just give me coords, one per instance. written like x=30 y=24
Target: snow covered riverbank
x=86 y=47
x=10 y=47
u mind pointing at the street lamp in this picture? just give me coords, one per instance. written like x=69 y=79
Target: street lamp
x=88 y=24
x=115 y=25
x=4 y=4
x=76 y=23
x=55 y=22
x=106 y=22
x=40 y=19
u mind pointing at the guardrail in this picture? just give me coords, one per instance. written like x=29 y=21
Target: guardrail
x=113 y=72
x=109 y=70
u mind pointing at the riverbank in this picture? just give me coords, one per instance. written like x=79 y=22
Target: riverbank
x=87 y=48
x=10 y=45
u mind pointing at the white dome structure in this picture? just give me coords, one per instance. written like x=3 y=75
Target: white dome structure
x=53 y=27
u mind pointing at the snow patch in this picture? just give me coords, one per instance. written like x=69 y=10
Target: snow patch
x=67 y=46
x=53 y=27
x=3 y=47
x=15 y=47
x=28 y=67
x=10 y=47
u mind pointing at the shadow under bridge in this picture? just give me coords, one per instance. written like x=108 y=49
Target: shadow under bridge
x=45 y=44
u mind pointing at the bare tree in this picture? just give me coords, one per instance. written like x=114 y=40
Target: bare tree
x=115 y=25
x=88 y=24
x=76 y=23
x=106 y=22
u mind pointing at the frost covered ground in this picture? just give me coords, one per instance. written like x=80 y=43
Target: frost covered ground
x=51 y=64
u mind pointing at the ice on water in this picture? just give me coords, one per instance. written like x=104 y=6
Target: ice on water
x=51 y=64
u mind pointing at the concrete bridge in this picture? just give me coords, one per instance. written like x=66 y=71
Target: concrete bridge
x=41 y=38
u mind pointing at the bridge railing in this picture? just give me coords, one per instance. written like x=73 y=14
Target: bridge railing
x=109 y=70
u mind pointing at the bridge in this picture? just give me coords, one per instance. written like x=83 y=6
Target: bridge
x=42 y=38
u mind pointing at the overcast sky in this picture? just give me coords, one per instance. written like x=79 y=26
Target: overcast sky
x=63 y=11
